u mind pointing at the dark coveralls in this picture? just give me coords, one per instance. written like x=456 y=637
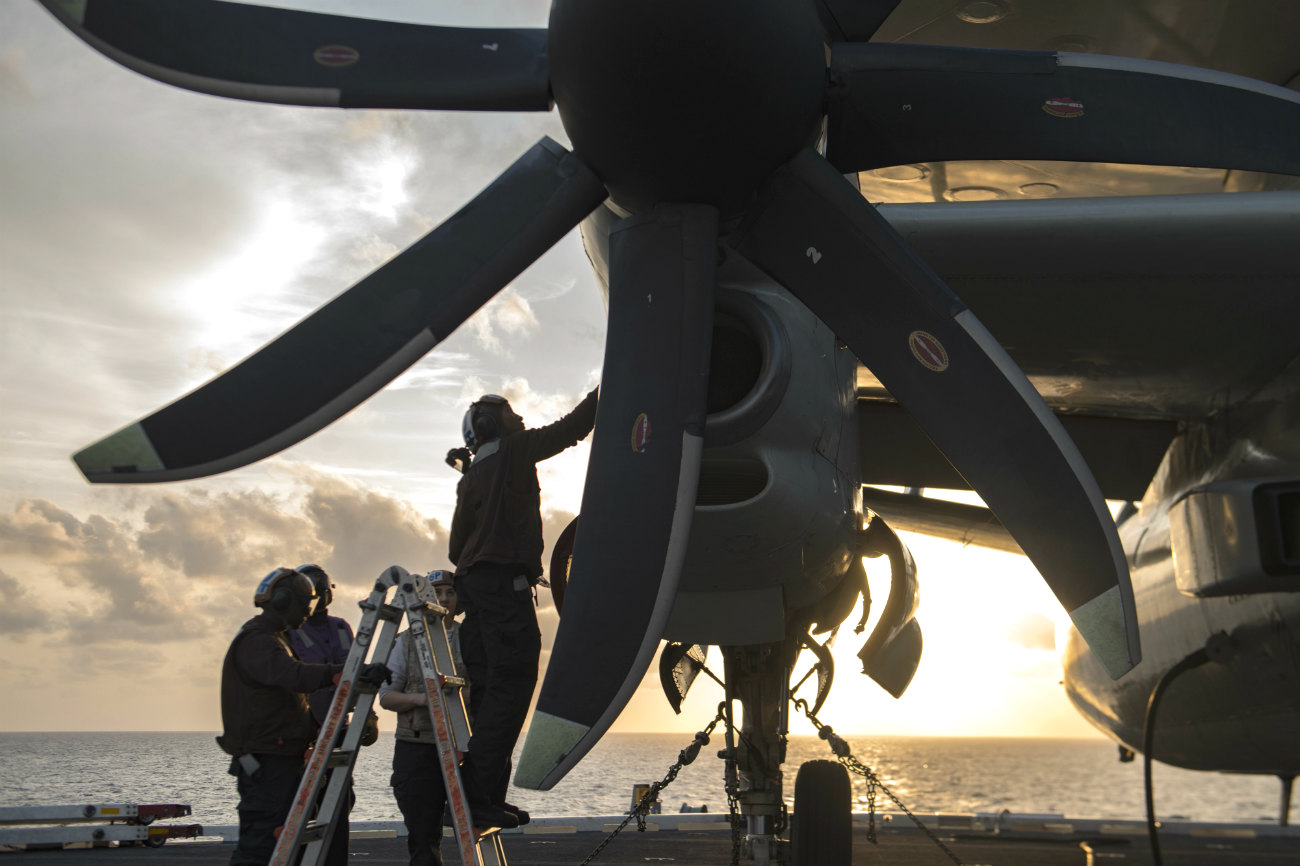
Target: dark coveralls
x=264 y=713
x=496 y=545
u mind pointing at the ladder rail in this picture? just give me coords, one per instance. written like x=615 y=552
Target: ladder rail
x=433 y=650
x=333 y=803
x=378 y=617
x=376 y=635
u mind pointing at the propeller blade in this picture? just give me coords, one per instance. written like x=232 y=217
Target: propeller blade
x=350 y=348
x=897 y=104
x=853 y=20
x=639 y=497
x=816 y=235
x=307 y=58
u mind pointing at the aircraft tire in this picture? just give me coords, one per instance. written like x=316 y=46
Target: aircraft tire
x=821 y=830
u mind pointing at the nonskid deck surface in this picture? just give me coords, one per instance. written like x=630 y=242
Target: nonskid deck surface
x=1014 y=840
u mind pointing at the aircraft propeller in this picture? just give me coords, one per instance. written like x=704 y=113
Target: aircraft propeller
x=700 y=123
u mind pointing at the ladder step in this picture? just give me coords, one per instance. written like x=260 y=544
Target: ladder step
x=319 y=789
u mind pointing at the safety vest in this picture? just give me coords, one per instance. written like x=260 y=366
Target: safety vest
x=416 y=726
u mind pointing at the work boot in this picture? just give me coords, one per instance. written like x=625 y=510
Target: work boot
x=483 y=812
x=520 y=815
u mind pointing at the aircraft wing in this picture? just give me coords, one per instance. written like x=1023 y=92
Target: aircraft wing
x=1128 y=315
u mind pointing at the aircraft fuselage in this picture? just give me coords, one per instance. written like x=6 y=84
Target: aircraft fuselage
x=1221 y=519
x=779 y=503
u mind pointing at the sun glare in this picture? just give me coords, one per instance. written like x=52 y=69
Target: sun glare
x=230 y=301
x=383 y=181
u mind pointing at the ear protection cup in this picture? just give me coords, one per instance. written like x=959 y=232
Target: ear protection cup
x=486 y=425
x=482 y=423
x=281 y=599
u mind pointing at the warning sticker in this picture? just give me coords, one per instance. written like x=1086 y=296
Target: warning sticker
x=1063 y=106
x=336 y=55
x=640 y=433
x=927 y=349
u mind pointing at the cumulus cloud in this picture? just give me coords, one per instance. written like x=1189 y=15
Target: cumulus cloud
x=508 y=315
x=180 y=565
x=536 y=407
x=19 y=612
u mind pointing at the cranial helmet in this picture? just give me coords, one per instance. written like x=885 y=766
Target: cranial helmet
x=441 y=578
x=321 y=581
x=482 y=423
x=283 y=589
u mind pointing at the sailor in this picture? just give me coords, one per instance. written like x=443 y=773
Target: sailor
x=417 y=772
x=267 y=723
x=325 y=639
x=496 y=544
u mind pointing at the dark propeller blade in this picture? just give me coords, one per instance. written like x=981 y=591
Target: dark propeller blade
x=641 y=481
x=357 y=343
x=853 y=20
x=306 y=58
x=817 y=236
x=898 y=104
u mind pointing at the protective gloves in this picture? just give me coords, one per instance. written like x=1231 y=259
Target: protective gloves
x=375 y=675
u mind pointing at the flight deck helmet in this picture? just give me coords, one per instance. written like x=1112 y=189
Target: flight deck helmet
x=320 y=580
x=289 y=593
x=484 y=420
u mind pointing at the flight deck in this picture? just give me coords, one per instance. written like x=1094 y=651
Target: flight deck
x=704 y=840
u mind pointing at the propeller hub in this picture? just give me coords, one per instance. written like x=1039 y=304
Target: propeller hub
x=736 y=90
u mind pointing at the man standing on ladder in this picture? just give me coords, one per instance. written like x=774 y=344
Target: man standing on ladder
x=417 y=771
x=496 y=544
x=267 y=723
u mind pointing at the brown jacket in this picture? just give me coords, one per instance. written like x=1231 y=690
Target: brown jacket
x=264 y=691
x=498 y=503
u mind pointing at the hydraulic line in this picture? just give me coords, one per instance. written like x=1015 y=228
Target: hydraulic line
x=1219 y=648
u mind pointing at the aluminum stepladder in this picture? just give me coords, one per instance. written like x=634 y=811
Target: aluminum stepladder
x=313 y=816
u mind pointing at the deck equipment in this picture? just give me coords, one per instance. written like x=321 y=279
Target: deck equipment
x=94 y=823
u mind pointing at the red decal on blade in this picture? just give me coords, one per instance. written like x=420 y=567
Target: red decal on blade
x=640 y=433
x=1063 y=106
x=336 y=55
x=927 y=349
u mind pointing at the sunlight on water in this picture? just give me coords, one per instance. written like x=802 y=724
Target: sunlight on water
x=1078 y=778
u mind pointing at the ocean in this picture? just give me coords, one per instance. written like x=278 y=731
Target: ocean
x=1076 y=778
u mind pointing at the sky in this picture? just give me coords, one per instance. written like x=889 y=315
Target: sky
x=151 y=237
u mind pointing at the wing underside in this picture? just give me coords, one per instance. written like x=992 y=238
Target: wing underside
x=1130 y=316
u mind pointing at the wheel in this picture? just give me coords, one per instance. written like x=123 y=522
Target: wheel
x=155 y=841
x=821 y=830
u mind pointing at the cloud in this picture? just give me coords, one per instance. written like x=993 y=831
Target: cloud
x=19 y=612
x=507 y=315
x=180 y=565
x=367 y=531
x=1033 y=631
